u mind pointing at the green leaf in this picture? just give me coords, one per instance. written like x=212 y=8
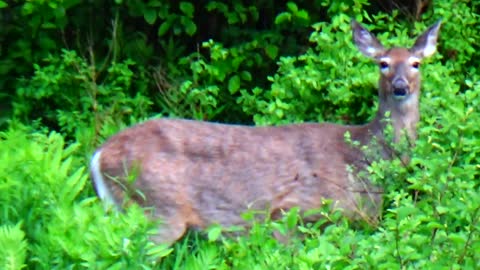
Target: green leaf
x=3 y=4
x=271 y=51
x=292 y=217
x=49 y=25
x=434 y=225
x=283 y=17
x=292 y=7
x=187 y=8
x=190 y=27
x=246 y=76
x=442 y=209
x=150 y=15
x=47 y=43
x=279 y=113
x=457 y=238
x=234 y=84
x=303 y=14
x=164 y=27
x=156 y=3
x=214 y=233
x=405 y=211
x=159 y=251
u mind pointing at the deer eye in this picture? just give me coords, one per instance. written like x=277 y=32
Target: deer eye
x=383 y=65
x=416 y=64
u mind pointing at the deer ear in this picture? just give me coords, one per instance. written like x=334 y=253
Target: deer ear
x=365 y=41
x=426 y=44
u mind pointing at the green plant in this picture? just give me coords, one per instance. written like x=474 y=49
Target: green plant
x=313 y=86
x=68 y=93
x=43 y=189
x=13 y=247
x=217 y=61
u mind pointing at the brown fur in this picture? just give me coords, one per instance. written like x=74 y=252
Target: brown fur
x=194 y=174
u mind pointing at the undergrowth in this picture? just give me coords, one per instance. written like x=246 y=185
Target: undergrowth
x=70 y=100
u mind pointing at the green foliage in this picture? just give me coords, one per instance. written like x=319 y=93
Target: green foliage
x=226 y=68
x=316 y=85
x=435 y=213
x=177 y=23
x=42 y=183
x=13 y=247
x=67 y=67
x=70 y=93
x=293 y=13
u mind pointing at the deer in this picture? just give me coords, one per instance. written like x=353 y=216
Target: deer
x=194 y=174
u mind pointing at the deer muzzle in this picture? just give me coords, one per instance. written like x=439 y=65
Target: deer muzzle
x=400 y=88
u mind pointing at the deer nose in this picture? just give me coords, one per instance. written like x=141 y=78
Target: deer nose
x=400 y=88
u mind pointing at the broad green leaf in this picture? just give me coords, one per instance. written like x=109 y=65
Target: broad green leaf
x=279 y=113
x=164 y=27
x=271 y=51
x=442 y=209
x=458 y=238
x=234 y=84
x=292 y=7
x=246 y=76
x=303 y=14
x=214 y=232
x=187 y=8
x=283 y=17
x=190 y=27
x=150 y=15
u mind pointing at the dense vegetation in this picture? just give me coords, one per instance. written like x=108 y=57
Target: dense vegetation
x=75 y=72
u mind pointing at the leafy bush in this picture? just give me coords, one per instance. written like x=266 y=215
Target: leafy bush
x=70 y=93
x=165 y=37
x=41 y=183
x=316 y=85
x=215 y=61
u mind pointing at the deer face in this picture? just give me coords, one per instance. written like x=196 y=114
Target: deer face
x=399 y=67
x=400 y=76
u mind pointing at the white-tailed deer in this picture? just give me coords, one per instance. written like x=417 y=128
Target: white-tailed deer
x=194 y=174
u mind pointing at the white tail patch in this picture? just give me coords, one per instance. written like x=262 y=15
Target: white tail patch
x=101 y=188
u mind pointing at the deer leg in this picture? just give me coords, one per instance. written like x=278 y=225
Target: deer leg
x=170 y=229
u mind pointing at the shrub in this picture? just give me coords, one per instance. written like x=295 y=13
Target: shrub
x=50 y=218
x=42 y=182
x=82 y=102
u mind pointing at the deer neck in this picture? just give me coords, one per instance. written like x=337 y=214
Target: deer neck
x=403 y=116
